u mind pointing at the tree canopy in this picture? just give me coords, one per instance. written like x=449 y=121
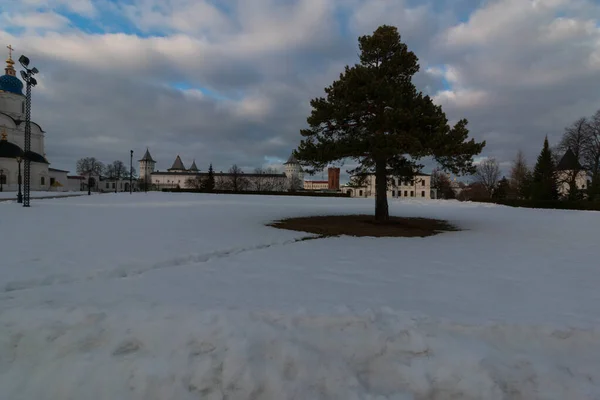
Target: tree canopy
x=374 y=115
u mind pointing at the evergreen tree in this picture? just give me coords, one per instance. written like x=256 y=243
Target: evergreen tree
x=544 y=186
x=526 y=187
x=502 y=189
x=209 y=182
x=374 y=115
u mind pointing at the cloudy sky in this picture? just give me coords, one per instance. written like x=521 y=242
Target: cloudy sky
x=229 y=81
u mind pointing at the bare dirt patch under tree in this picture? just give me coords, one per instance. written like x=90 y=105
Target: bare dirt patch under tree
x=365 y=225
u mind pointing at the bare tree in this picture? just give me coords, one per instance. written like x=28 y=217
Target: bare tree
x=295 y=183
x=441 y=183
x=273 y=180
x=591 y=154
x=488 y=174
x=89 y=166
x=520 y=175
x=221 y=182
x=259 y=181
x=194 y=182
x=116 y=171
x=576 y=137
x=236 y=179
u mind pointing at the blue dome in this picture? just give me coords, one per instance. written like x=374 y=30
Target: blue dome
x=11 y=84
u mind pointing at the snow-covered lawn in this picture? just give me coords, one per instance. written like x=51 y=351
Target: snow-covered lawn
x=188 y=296
x=35 y=195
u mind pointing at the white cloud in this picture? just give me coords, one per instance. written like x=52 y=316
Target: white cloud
x=517 y=69
x=35 y=20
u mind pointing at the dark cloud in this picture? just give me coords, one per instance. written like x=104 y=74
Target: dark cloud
x=102 y=95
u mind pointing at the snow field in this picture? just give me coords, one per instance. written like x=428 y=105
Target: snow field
x=178 y=296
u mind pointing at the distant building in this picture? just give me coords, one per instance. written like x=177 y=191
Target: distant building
x=567 y=169
x=178 y=176
x=331 y=184
x=420 y=188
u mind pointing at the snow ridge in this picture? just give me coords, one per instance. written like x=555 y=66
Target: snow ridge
x=239 y=355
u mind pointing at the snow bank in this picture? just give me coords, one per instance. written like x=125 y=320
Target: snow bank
x=159 y=354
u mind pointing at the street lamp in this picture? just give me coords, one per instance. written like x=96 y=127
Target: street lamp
x=19 y=194
x=1 y=180
x=27 y=76
x=130 y=171
x=90 y=182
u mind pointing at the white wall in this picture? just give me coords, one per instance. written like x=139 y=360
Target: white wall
x=12 y=104
x=563 y=178
x=11 y=171
x=420 y=188
x=60 y=177
x=16 y=134
x=75 y=184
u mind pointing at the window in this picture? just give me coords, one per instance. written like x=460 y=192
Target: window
x=423 y=193
x=23 y=107
x=405 y=193
x=423 y=182
x=360 y=192
x=3 y=179
x=113 y=185
x=52 y=180
x=107 y=185
x=43 y=181
x=412 y=194
x=393 y=193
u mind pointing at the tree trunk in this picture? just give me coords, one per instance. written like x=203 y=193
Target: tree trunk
x=381 y=203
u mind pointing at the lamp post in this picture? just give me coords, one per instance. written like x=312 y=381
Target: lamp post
x=27 y=75
x=1 y=180
x=19 y=194
x=130 y=171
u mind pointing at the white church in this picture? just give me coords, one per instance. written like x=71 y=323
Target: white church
x=12 y=140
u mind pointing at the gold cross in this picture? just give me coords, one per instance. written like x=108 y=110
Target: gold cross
x=10 y=50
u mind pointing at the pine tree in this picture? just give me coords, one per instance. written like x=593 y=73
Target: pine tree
x=374 y=115
x=209 y=182
x=502 y=189
x=544 y=186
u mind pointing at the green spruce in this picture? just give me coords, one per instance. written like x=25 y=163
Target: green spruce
x=374 y=115
x=209 y=181
x=544 y=186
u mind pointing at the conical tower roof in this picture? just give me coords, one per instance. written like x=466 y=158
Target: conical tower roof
x=291 y=160
x=569 y=162
x=177 y=165
x=147 y=157
x=194 y=168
